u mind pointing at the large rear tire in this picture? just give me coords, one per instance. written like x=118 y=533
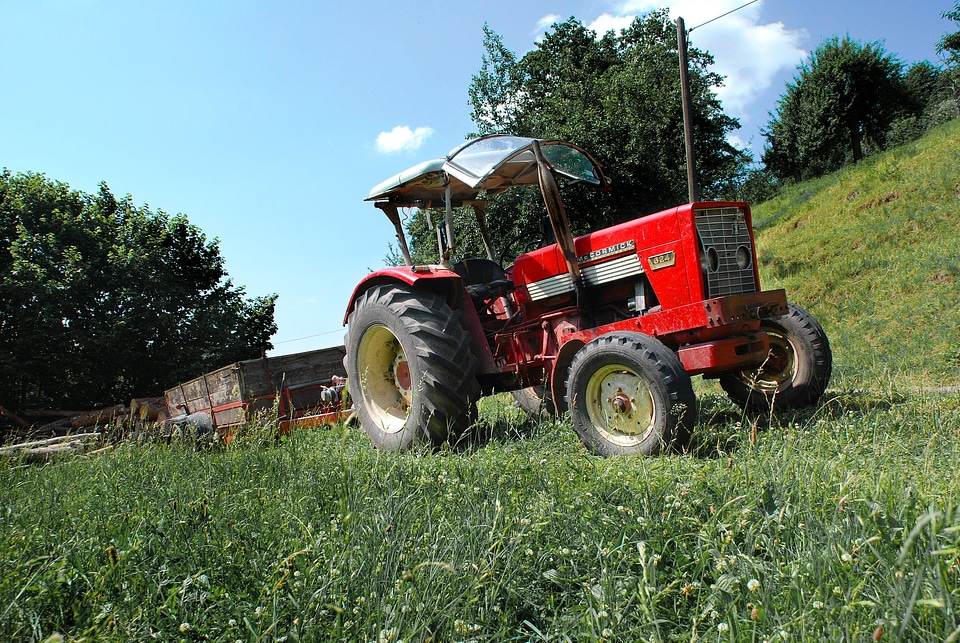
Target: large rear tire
x=629 y=394
x=796 y=371
x=412 y=373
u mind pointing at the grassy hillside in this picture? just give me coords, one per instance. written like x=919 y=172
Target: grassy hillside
x=874 y=252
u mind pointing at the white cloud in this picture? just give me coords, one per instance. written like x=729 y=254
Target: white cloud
x=547 y=21
x=608 y=22
x=402 y=139
x=746 y=52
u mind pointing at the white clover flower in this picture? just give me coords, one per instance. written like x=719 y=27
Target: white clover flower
x=185 y=627
x=817 y=605
x=723 y=628
x=606 y=633
x=753 y=584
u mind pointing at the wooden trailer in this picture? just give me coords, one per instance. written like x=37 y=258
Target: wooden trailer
x=306 y=389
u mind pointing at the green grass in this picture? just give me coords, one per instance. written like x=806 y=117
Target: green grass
x=874 y=252
x=822 y=525
x=827 y=524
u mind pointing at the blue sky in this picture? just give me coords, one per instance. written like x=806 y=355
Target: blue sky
x=267 y=122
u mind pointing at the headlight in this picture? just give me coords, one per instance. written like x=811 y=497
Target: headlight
x=744 y=257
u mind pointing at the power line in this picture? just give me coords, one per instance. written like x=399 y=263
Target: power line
x=329 y=332
x=721 y=16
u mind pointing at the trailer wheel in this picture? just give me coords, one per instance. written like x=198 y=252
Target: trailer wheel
x=797 y=368
x=411 y=370
x=628 y=393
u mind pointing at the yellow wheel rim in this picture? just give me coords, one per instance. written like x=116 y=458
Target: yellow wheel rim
x=779 y=369
x=385 y=380
x=620 y=405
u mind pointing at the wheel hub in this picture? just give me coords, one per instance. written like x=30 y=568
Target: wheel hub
x=620 y=404
x=401 y=375
x=780 y=366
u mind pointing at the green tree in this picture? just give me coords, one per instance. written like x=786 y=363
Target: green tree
x=847 y=94
x=615 y=95
x=928 y=102
x=101 y=300
x=949 y=48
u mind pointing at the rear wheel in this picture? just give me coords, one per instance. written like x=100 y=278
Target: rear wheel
x=411 y=371
x=628 y=393
x=796 y=371
x=535 y=401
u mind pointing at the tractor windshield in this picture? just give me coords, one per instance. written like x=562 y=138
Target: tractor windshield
x=493 y=164
x=490 y=164
x=503 y=161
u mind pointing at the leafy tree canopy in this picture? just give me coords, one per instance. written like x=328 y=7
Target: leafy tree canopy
x=848 y=98
x=949 y=48
x=950 y=43
x=101 y=300
x=615 y=95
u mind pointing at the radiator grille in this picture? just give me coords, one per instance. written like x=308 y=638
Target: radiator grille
x=727 y=251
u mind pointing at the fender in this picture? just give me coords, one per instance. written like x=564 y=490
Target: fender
x=558 y=376
x=441 y=278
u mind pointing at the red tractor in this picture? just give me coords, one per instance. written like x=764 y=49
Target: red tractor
x=608 y=327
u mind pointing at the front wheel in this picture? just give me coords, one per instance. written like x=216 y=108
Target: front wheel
x=796 y=371
x=412 y=373
x=628 y=393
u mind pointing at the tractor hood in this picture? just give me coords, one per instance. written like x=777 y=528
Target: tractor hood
x=491 y=164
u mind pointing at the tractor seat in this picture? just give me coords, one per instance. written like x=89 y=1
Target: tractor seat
x=484 y=279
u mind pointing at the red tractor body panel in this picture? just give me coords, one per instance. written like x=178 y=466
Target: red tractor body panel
x=664 y=250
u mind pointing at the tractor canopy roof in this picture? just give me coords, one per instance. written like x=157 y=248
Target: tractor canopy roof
x=490 y=164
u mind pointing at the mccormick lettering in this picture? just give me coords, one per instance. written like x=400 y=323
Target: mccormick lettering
x=606 y=252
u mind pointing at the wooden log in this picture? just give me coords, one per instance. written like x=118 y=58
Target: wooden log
x=8 y=414
x=76 y=437
x=49 y=427
x=110 y=447
x=91 y=418
x=147 y=409
x=49 y=413
x=41 y=454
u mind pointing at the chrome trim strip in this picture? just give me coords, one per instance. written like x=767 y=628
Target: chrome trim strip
x=550 y=287
x=607 y=271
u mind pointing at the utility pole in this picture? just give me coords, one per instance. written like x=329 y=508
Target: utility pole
x=693 y=187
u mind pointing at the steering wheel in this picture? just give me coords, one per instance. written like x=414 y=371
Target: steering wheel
x=508 y=256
